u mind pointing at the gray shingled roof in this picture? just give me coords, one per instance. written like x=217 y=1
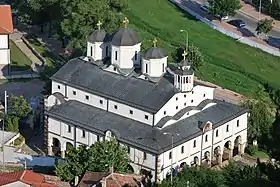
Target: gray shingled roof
x=98 y=35
x=129 y=90
x=155 y=53
x=125 y=37
x=142 y=136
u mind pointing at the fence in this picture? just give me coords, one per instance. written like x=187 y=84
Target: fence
x=226 y=32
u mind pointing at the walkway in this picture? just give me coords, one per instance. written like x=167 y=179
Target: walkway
x=251 y=11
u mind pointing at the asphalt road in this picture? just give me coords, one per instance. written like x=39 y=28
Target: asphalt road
x=251 y=24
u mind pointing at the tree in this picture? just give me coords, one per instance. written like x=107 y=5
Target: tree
x=262 y=115
x=264 y=26
x=193 y=55
x=99 y=157
x=11 y=123
x=224 y=8
x=19 y=107
x=81 y=16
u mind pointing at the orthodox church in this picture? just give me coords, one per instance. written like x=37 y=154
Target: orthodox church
x=158 y=112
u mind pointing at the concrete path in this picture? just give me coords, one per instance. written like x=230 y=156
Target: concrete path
x=16 y=38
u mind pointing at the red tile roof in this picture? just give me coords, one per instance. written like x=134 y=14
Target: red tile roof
x=26 y=176
x=6 y=21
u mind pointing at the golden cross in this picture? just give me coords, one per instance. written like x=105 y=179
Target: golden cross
x=99 y=24
x=125 y=22
x=155 y=42
x=184 y=54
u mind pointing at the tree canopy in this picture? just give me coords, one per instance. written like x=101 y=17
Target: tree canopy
x=264 y=26
x=99 y=157
x=224 y=8
x=18 y=106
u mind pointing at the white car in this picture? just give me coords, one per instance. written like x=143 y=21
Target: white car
x=204 y=7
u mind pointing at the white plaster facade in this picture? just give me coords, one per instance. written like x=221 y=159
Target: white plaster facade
x=4 y=49
x=154 y=67
x=98 y=50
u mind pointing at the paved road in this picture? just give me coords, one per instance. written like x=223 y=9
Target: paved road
x=251 y=23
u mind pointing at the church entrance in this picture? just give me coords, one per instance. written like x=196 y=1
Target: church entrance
x=227 y=152
x=237 y=146
x=206 y=161
x=56 y=147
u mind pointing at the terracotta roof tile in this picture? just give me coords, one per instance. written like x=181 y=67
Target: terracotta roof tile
x=6 y=21
x=26 y=176
x=122 y=180
x=91 y=178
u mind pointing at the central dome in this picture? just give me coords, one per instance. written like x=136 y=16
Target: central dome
x=125 y=37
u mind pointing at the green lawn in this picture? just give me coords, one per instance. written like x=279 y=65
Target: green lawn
x=261 y=154
x=228 y=63
x=18 y=59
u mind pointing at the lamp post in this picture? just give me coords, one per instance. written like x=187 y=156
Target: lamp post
x=260 y=8
x=187 y=38
x=172 y=142
x=3 y=144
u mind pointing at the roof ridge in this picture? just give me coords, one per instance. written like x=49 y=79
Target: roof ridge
x=22 y=175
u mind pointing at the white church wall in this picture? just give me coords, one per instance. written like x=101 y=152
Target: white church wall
x=124 y=110
x=86 y=97
x=155 y=67
x=98 y=50
x=124 y=56
x=5 y=56
x=80 y=138
x=58 y=87
x=207 y=139
x=183 y=100
x=4 y=42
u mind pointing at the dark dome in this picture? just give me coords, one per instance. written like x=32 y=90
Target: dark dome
x=97 y=36
x=185 y=63
x=125 y=37
x=155 y=53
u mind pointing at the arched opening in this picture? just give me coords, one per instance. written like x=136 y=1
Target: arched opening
x=206 y=159
x=216 y=156
x=237 y=146
x=147 y=176
x=130 y=169
x=195 y=161
x=56 y=147
x=68 y=147
x=227 y=151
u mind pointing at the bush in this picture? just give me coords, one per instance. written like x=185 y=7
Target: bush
x=251 y=149
x=19 y=140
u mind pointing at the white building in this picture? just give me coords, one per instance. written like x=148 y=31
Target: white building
x=144 y=105
x=6 y=28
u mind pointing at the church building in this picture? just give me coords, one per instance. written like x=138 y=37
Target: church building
x=164 y=118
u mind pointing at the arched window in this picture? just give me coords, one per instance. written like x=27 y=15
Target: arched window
x=217 y=133
x=91 y=51
x=146 y=68
x=206 y=138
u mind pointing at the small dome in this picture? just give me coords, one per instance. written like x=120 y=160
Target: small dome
x=97 y=36
x=185 y=63
x=155 y=53
x=125 y=37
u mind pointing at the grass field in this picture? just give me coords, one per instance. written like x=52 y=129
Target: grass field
x=19 y=61
x=228 y=63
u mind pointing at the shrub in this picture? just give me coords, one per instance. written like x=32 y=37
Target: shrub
x=251 y=149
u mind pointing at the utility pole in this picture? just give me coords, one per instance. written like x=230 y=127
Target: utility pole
x=260 y=9
x=3 y=129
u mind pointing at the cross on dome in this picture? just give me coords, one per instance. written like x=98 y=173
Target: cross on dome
x=184 y=54
x=125 y=22
x=99 y=24
x=155 y=42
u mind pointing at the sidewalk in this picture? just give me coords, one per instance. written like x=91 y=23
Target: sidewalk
x=251 y=11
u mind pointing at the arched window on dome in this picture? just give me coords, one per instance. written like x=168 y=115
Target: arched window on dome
x=109 y=135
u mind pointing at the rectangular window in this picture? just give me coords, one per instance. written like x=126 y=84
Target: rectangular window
x=128 y=149
x=74 y=93
x=194 y=144
x=146 y=68
x=87 y=97
x=170 y=155
x=97 y=138
x=131 y=112
x=91 y=51
x=115 y=106
x=176 y=107
x=163 y=69
x=135 y=56
x=237 y=124
x=107 y=51
x=58 y=87
x=144 y=156
x=227 y=128
x=116 y=55
x=101 y=102
x=206 y=138
x=164 y=113
x=182 y=150
x=83 y=134
x=146 y=117
x=69 y=129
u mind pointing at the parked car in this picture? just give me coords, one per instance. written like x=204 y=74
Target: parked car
x=204 y=7
x=223 y=18
x=237 y=23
